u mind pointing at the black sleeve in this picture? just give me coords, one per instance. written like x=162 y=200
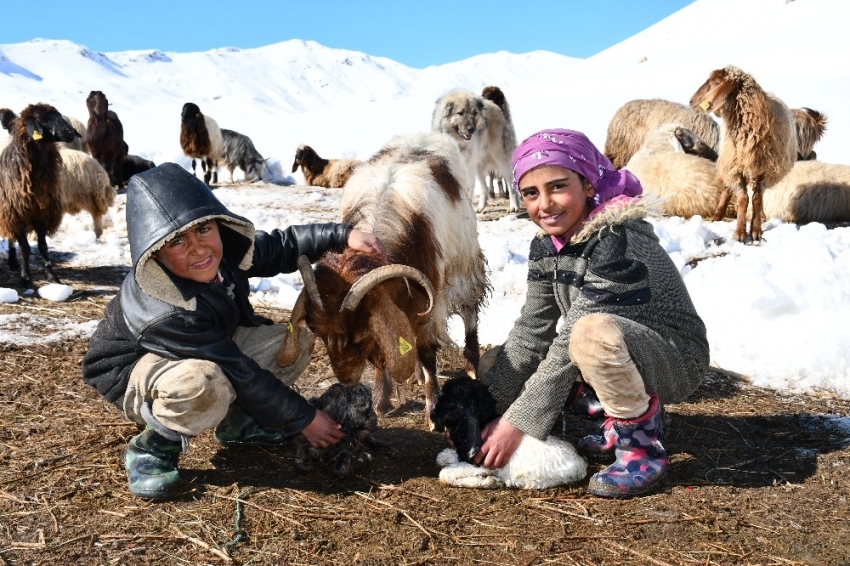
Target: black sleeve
x=277 y=251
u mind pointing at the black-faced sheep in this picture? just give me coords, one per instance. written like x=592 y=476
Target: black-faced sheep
x=85 y=186
x=237 y=150
x=7 y=117
x=633 y=120
x=687 y=184
x=811 y=126
x=412 y=195
x=463 y=408
x=105 y=136
x=759 y=145
x=30 y=186
x=320 y=172
x=200 y=138
x=351 y=408
x=485 y=138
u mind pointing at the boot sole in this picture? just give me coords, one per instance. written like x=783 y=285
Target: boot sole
x=611 y=492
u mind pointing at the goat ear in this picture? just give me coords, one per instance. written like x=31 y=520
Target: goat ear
x=392 y=331
x=34 y=129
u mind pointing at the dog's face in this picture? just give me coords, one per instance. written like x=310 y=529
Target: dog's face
x=464 y=406
x=462 y=116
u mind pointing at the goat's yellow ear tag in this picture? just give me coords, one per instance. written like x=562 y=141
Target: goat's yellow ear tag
x=404 y=346
x=36 y=135
x=289 y=327
x=705 y=105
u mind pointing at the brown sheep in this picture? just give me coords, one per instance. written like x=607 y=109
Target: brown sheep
x=105 y=136
x=636 y=118
x=200 y=138
x=811 y=126
x=759 y=147
x=31 y=196
x=319 y=172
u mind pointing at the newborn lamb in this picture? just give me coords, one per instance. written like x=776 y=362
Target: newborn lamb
x=464 y=407
x=352 y=408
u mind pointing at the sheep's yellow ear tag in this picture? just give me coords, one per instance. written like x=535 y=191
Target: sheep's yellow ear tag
x=289 y=327
x=404 y=346
x=36 y=135
x=705 y=105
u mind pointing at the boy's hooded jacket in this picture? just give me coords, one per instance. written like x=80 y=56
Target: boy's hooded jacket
x=176 y=318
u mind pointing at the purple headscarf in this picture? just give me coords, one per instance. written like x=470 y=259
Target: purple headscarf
x=572 y=150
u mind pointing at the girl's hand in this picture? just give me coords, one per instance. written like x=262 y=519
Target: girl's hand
x=322 y=431
x=365 y=242
x=501 y=439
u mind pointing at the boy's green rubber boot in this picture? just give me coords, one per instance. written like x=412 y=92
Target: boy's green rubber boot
x=151 y=464
x=238 y=428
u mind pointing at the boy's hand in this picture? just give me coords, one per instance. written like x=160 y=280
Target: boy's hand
x=501 y=439
x=365 y=242
x=322 y=431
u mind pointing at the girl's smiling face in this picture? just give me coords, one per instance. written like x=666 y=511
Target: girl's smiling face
x=556 y=198
x=194 y=253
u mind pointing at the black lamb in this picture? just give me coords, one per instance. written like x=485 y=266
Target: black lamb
x=464 y=407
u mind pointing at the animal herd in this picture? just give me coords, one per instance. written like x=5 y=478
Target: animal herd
x=418 y=194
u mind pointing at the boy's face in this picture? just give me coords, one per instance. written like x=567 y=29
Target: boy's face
x=194 y=253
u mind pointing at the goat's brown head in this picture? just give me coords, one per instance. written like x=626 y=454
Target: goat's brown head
x=360 y=307
x=43 y=123
x=97 y=103
x=306 y=156
x=714 y=92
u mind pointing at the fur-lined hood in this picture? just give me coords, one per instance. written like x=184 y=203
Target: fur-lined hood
x=168 y=199
x=614 y=213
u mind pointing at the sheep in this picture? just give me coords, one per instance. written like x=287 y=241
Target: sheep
x=687 y=184
x=464 y=407
x=810 y=125
x=812 y=191
x=412 y=195
x=30 y=186
x=633 y=120
x=759 y=146
x=352 y=409
x=237 y=150
x=8 y=116
x=319 y=172
x=85 y=186
x=485 y=138
x=200 y=138
x=133 y=164
x=105 y=136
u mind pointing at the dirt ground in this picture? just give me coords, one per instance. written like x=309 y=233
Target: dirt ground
x=755 y=477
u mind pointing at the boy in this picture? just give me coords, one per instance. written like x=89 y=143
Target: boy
x=180 y=348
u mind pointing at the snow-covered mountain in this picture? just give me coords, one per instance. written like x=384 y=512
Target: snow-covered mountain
x=347 y=104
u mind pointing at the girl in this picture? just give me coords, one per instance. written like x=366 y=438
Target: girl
x=629 y=331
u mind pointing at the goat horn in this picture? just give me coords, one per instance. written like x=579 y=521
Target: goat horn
x=309 y=280
x=365 y=284
x=290 y=347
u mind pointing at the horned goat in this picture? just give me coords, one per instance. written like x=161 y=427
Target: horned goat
x=320 y=172
x=30 y=186
x=810 y=125
x=237 y=150
x=463 y=408
x=105 y=136
x=412 y=195
x=759 y=145
x=85 y=186
x=200 y=138
x=687 y=184
x=636 y=118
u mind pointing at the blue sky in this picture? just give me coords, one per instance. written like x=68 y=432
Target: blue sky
x=416 y=33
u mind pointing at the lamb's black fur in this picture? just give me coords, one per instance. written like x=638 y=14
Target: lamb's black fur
x=238 y=151
x=463 y=407
x=351 y=408
x=133 y=164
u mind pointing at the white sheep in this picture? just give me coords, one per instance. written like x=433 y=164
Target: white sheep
x=811 y=192
x=686 y=184
x=85 y=186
